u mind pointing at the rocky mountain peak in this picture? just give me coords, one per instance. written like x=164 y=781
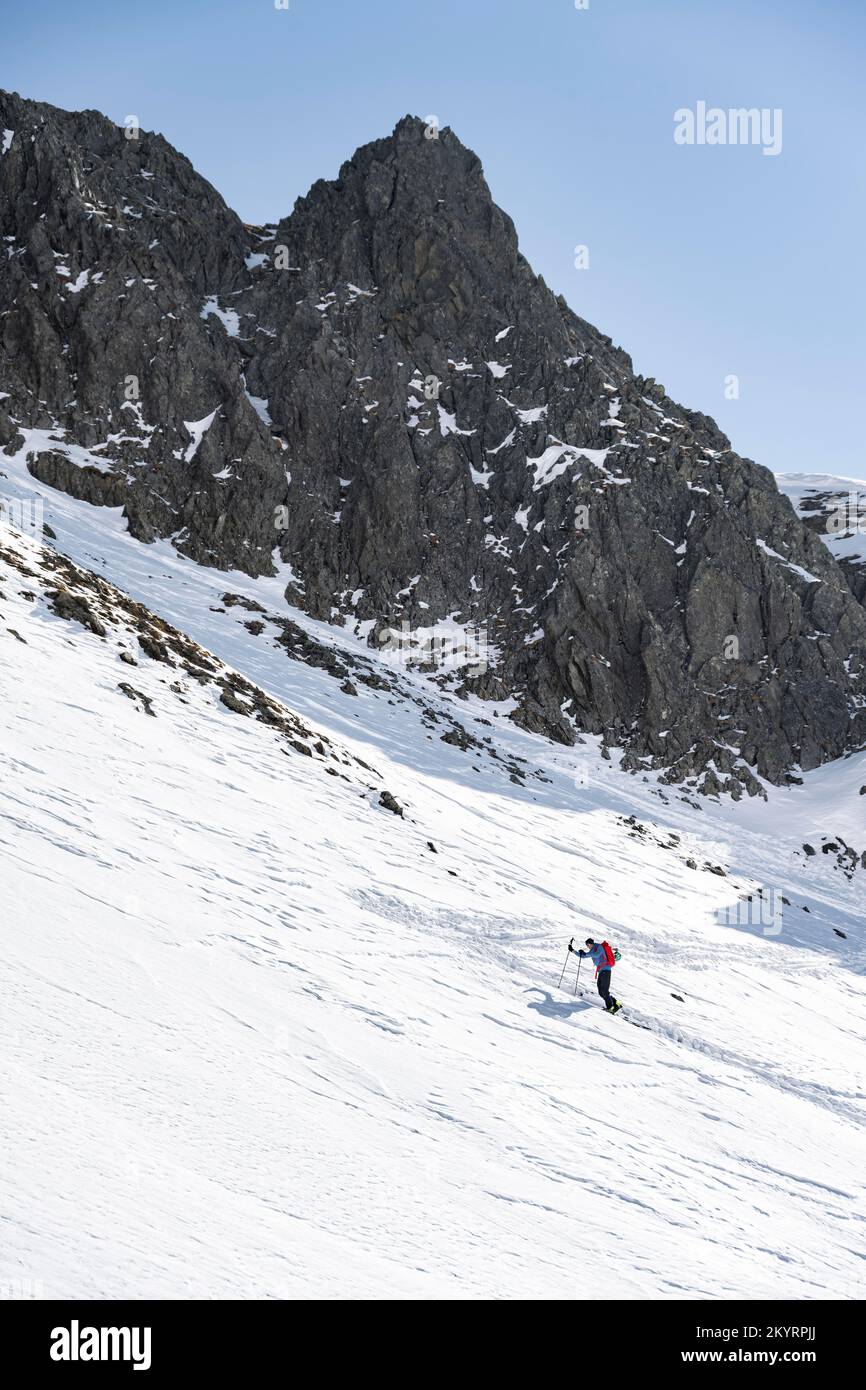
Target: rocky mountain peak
x=377 y=397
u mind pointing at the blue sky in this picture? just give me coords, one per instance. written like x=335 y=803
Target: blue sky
x=704 y=261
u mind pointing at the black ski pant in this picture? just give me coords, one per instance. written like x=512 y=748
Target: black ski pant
x=604 y=988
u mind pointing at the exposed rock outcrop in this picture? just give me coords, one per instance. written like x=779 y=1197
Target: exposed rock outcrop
x=378 y=394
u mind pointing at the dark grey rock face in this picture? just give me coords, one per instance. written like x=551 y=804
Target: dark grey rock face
x=379 y=392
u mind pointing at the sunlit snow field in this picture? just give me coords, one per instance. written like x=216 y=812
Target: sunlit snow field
x=261 y=1041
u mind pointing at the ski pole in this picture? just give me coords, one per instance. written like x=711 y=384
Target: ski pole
x=579 y=959
x=567 y=954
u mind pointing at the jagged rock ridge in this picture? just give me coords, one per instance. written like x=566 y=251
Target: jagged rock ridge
x=379 y=393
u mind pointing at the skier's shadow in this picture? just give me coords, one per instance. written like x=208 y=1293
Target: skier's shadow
x=557 y=1008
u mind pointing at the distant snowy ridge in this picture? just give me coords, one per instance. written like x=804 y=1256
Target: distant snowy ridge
x=835 y=508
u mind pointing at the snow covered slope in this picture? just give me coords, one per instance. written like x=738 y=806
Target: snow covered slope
x=268 y=1038
x=836 y=509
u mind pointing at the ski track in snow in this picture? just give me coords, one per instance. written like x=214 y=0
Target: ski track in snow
x=261 y=1043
